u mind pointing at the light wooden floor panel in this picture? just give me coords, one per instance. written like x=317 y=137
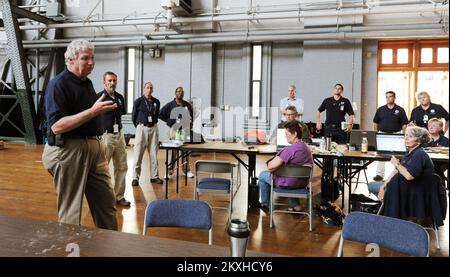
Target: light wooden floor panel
x=26 y=190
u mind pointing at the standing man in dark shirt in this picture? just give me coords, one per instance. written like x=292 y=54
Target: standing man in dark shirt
x=145 y=119
x=113 y=136
x=427 y=110
x=171 y=107
x=389 y=118
x=75 y=154
x=337 y=107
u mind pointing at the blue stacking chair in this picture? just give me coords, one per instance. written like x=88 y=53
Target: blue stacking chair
x=391 y=233
x=216 y=185
x=179 y=213
x=296 y=171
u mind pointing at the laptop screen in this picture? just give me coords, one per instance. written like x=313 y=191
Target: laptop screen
x=281 y=138
x=357 y=135
x=391 y=143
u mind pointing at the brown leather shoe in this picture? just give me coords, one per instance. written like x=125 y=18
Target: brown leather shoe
x=157 y=180
x=123 y=202
x=377 y=178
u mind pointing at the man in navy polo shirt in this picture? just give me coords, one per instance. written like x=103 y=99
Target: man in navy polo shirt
x=179 y=107
x=337 y=107
x=427 y=110
x=145 y=119
x=389 y=118
x=113 y=136
x=75 y=154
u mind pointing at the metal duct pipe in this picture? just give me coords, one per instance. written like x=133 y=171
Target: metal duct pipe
x=247 y=17
x=250 y=38
x=258 y=33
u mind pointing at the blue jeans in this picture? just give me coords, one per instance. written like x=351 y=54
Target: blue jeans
x=264 y=190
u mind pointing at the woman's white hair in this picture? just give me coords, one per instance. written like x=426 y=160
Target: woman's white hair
x=421 y=134
x=75 y=47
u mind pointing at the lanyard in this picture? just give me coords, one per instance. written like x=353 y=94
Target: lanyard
x=115 y=99
x=149 y=109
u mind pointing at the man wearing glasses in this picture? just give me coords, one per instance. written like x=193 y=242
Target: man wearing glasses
x=291 y=100
x=292 y=116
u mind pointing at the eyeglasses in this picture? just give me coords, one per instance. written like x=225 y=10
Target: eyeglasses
x=288 y=114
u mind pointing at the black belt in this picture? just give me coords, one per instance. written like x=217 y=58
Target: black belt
x=147 y=124
x=85 y=137
x=333 y=125
x=114 y=133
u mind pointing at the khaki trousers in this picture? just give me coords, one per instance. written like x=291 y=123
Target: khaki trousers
x=116 y=150
x=146 y=138
x=80 y=167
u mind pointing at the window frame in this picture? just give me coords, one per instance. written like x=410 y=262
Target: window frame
x=253 y=81
x=414 y=65
x=127 y=93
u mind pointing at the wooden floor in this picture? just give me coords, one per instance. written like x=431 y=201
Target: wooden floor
x=26 y=190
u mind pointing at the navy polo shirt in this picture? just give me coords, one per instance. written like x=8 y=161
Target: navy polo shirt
x=144 y=108
x=66 y=94
x=390 y=120
x=420 y=116
x=336 y=110
x=164 y=115
x=441 y=141
x=418 y=164
x=110 y=118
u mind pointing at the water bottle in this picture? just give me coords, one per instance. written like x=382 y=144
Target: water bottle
x=178 y=135
x=328 y=143
x=238 y=230
x=364 y=145
x=323 y=145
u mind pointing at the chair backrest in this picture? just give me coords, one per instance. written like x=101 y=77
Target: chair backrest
x=296 y=171
x=214 y=166
x=178 y=213
x=391 y=233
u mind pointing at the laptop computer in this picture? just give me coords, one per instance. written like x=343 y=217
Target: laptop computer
x=281 y=139
x=391 y=143
x=357 y=135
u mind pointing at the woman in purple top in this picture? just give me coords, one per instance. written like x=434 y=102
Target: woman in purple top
x=298 y=153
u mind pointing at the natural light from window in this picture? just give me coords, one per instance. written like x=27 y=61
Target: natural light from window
x=402 y=56
x=386 y=56
x=426 y=55
x=442 y=55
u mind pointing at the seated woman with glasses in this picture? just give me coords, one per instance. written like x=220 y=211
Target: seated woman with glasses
x=412 y=188
x=298 y=153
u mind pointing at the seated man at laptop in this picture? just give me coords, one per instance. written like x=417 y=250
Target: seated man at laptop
x=291 y=115
x=297 y=153
x=414 y=165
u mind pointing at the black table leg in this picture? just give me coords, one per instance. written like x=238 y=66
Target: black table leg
x=167 y=172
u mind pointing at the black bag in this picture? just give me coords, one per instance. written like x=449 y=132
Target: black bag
x=330 y=214
x=253 y=192
x=330 y=192
x=362 y=203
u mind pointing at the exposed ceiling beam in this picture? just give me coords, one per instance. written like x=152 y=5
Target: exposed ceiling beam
x=32 y=15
